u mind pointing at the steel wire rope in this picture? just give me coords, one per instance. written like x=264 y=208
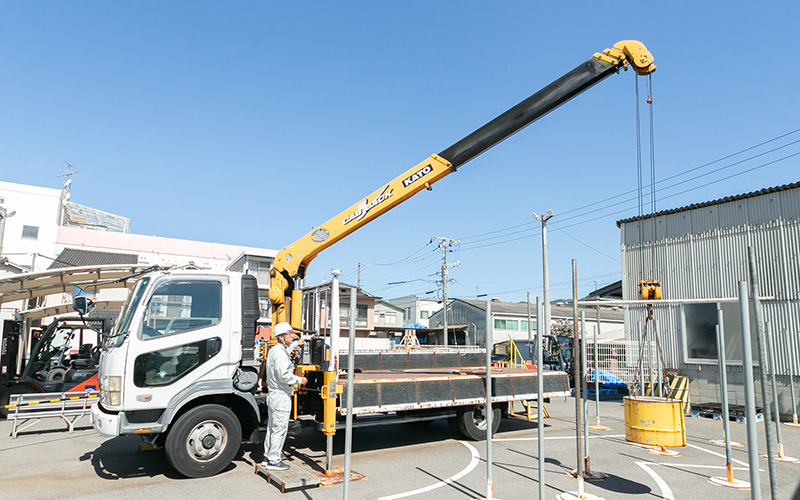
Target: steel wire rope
x=694 y=188
x=468 y=247
x=594 y=207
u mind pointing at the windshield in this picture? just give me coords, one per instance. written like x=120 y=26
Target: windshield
x=120 y=330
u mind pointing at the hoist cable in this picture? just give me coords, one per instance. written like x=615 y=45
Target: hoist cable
x=652 y=176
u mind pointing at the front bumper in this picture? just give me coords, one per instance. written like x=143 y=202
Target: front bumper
x=107 y=424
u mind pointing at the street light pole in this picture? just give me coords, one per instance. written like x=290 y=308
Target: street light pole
x=545 y=278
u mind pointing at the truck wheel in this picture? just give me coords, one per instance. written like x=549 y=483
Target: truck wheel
x=471 y=421
x=203 y=441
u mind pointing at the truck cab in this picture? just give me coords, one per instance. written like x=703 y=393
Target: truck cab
x=179 y=367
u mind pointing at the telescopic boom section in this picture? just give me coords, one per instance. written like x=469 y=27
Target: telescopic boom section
x=291 y=262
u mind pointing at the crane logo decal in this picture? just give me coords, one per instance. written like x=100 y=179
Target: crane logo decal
x=365 y=206
x=419 y=174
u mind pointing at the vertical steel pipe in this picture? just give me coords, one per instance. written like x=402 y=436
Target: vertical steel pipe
x=596 y=378
x=790 y=350
x=762 y=365
x=577 y=362
x=539 y=391
x=489 y=345
x=772 y=370
x=348 y=434
x=723 y=381
x=749 y=393
x=585 y=391
x=334 y=355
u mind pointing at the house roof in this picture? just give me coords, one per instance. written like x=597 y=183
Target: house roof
x=73 y=257
x=727 y=199
x=612 y=291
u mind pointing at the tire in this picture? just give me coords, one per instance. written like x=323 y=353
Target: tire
x=203 y=441
x=471 y=421
x=56 y=374
x=6 y=397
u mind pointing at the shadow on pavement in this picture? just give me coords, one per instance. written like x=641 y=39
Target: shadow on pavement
x=120 y=458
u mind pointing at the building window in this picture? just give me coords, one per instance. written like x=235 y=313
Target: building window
x=30 y=232
x=376 y=316
x=481 y=323
x=391 y=317
x=699 y=332
x=423 y=314
x=506 y=324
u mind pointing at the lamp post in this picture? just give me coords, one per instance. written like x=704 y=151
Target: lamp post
x=545 y=279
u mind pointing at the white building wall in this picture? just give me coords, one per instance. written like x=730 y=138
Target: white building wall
x=414 y=306
x=35 y=207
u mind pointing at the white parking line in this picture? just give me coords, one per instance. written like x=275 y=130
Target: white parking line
x=718 y=454
x=666 y=492
x=472 y=464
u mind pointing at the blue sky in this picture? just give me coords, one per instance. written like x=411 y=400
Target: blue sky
x=250 y=122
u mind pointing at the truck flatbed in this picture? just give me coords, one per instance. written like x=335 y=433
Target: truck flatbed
x=383 y=391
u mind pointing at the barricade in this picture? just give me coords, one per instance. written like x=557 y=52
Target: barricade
x=27 y=410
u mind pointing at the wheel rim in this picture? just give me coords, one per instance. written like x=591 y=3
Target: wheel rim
x=479 y=417
x=206 y=440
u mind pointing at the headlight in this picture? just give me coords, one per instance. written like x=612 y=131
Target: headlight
x=113 y=395
x=115 y=384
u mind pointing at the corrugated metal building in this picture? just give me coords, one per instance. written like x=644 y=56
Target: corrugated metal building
x=700 y=252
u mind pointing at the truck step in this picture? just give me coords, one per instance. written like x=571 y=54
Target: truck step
x=295 y=477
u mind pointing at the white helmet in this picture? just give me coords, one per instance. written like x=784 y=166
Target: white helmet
x=282 y=328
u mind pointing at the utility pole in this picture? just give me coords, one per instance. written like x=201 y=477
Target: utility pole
x=444 y=244
x=360 y=264
x=545 y=279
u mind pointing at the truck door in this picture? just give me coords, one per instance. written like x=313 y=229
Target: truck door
x=181 y=338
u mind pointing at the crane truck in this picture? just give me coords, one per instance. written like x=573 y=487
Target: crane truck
x=180 y=366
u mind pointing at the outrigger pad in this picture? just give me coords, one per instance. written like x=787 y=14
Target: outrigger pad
x=295 y=477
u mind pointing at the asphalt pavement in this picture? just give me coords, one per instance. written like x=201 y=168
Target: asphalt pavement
x=401 y=461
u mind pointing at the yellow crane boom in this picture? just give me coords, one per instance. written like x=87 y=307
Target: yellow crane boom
x=290 y=264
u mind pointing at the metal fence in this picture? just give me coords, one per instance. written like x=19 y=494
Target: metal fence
x=621 y=358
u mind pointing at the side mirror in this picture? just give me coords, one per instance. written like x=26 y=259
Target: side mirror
x=80 y=302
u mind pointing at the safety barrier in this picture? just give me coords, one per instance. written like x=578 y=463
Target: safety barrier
x=26 y=410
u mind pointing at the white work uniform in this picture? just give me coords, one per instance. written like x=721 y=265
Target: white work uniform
x=280 y=382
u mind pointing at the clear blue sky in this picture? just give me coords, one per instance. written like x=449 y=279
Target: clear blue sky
x=251 y=122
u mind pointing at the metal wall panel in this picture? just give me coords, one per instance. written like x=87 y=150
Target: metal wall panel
x=702 y=253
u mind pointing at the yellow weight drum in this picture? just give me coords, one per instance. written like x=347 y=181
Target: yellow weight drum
x=654 y=421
